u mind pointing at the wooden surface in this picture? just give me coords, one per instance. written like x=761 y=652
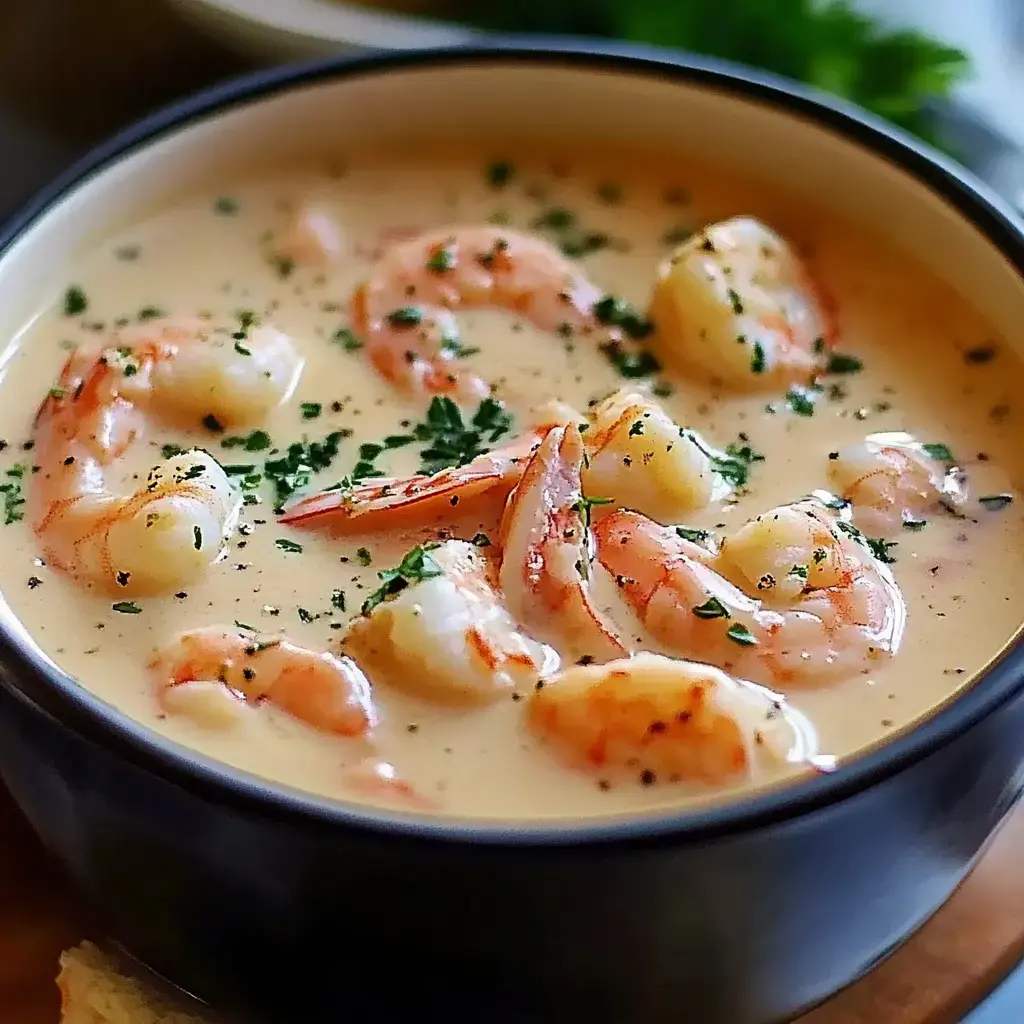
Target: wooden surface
x=943 y=972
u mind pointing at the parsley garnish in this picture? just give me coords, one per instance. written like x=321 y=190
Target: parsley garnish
x=880 y=549
x=441 y=260
x=257 y=441
x=197 y=538
x=712 y=608
x=213 y=424
x=364 y=556
x=150 y=313
x=688 y=533
x=801 y=400
x=284 y=265
x=288 y=545
x=338 y=600
x=739 y=634
x=295 y=468
x=450 y=441
x=75 y=301
x=630 y=365
x=170 y=450
x=757 y=363
x=838 y=362
x=310 y=410
x=584 y=507
x=348 y=341
x=940 y=452
x=11 y=490
x=225 y=206
x=407 y=316
x=126 y=607
x=613 y=311
x=734 y=466
x=499 y=173
x=415 y=567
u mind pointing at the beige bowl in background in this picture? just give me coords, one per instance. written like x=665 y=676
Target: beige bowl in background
x=280 y=30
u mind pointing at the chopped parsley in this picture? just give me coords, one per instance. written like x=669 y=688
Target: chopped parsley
x=914 y=524
x=126 y=607
x=257 y=441
x=584 y=507
x=407 y=316
x=441 y=260
x=799 y=572
x=739 y=634
x=364 y=556
x=688 y=533
x=288 y=545
x=75 y=301
x=150 y=313
x=838 y=362
x=301 y=460
x=940 y=452
x=213 y=424
x=734 y=466
x=712 y=608
x=757 y=361
x=346 y=339
x=499 y=173
x=734 y=301
x=11 y=489
x=636 y=428
x=311 y=410
x=995 y=502
x=225 y=206
x=879 y=548
x=450 y=441
x=613 y=311
x=197 y=538
x=338 y=599
x=801 y=399
x=630 y=365
x=283 y=265
x=416 y=566
x=170 y=450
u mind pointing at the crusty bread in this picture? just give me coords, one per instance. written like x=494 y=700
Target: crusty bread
x=94 y=991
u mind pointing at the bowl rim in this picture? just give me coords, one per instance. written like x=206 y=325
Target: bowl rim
x=33 y=680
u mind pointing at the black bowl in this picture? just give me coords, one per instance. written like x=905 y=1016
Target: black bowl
x=272 y=903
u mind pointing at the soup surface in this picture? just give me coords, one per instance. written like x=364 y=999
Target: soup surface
x=923 y=362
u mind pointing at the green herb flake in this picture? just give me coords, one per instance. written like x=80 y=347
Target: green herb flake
x=295 y=468
x=364 y=556
x=995 y=502
x=170 y=450
x=126 y=607
x=734 y=466
x=225 y=206
x=614 y=311
x=311 y=410
x=839 y=362
x=499 y=173
x=691 y=534
x=879 y=548
x=584 y=506
x=939 y=451
x=241 y=349
x=441 y=261
x=734 y=301
x=801 y=400
x=338 y=599
x=213 y=424
x=450 y=441
x=712 y=608
x=13 y=499
x=75 y=301
x=346 y=339
x=197 y=538
x=257 y=441
x=407 y=316
x=757 y=362
x=416 y=566
x=739 y=634
x=150 y=313
x=914 y=525
x=289 y=546
x=630 y=365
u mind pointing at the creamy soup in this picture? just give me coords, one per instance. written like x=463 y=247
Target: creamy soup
x=919 y=360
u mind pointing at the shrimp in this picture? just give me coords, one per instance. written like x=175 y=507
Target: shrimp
x=312 y=239
x=481 y=486
x=893 y=480
x=381 y=782
x=735 y=302
x=166 y=533
x=825 y=608
x=438 y=629
x=403 y=313
x=545 y=562
x=639 y=458
x=329 y=693
x=657 y=719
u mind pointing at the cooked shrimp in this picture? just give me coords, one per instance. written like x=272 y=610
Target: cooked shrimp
x=165 y=534
x=662 y=720
x=735 y=302
x=312 y=239
x=403 y=313
x=326 y=692
x=824 y=607
x=438 y=630
x=381 y=782
x=640 y=459
x=891 y=479
x=545 y=561
x=481 y=486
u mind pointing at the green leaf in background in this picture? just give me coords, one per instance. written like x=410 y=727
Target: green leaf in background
x=825 y=44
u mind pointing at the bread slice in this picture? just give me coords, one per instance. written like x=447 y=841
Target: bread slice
x=94 y=991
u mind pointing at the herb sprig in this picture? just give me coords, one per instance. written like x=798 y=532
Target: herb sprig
x=416 y=566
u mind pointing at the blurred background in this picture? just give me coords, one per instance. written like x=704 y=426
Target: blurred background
x=72 y=71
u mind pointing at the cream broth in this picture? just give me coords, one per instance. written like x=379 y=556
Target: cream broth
x=930 y=366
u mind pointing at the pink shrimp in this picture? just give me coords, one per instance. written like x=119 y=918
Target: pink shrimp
x=166 y=533
x=825 y=607
x=326 y=692
x=545 y=551
x=403 y=313
x=380 y=781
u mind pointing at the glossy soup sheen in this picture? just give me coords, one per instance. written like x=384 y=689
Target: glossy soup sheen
x=930 y=366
